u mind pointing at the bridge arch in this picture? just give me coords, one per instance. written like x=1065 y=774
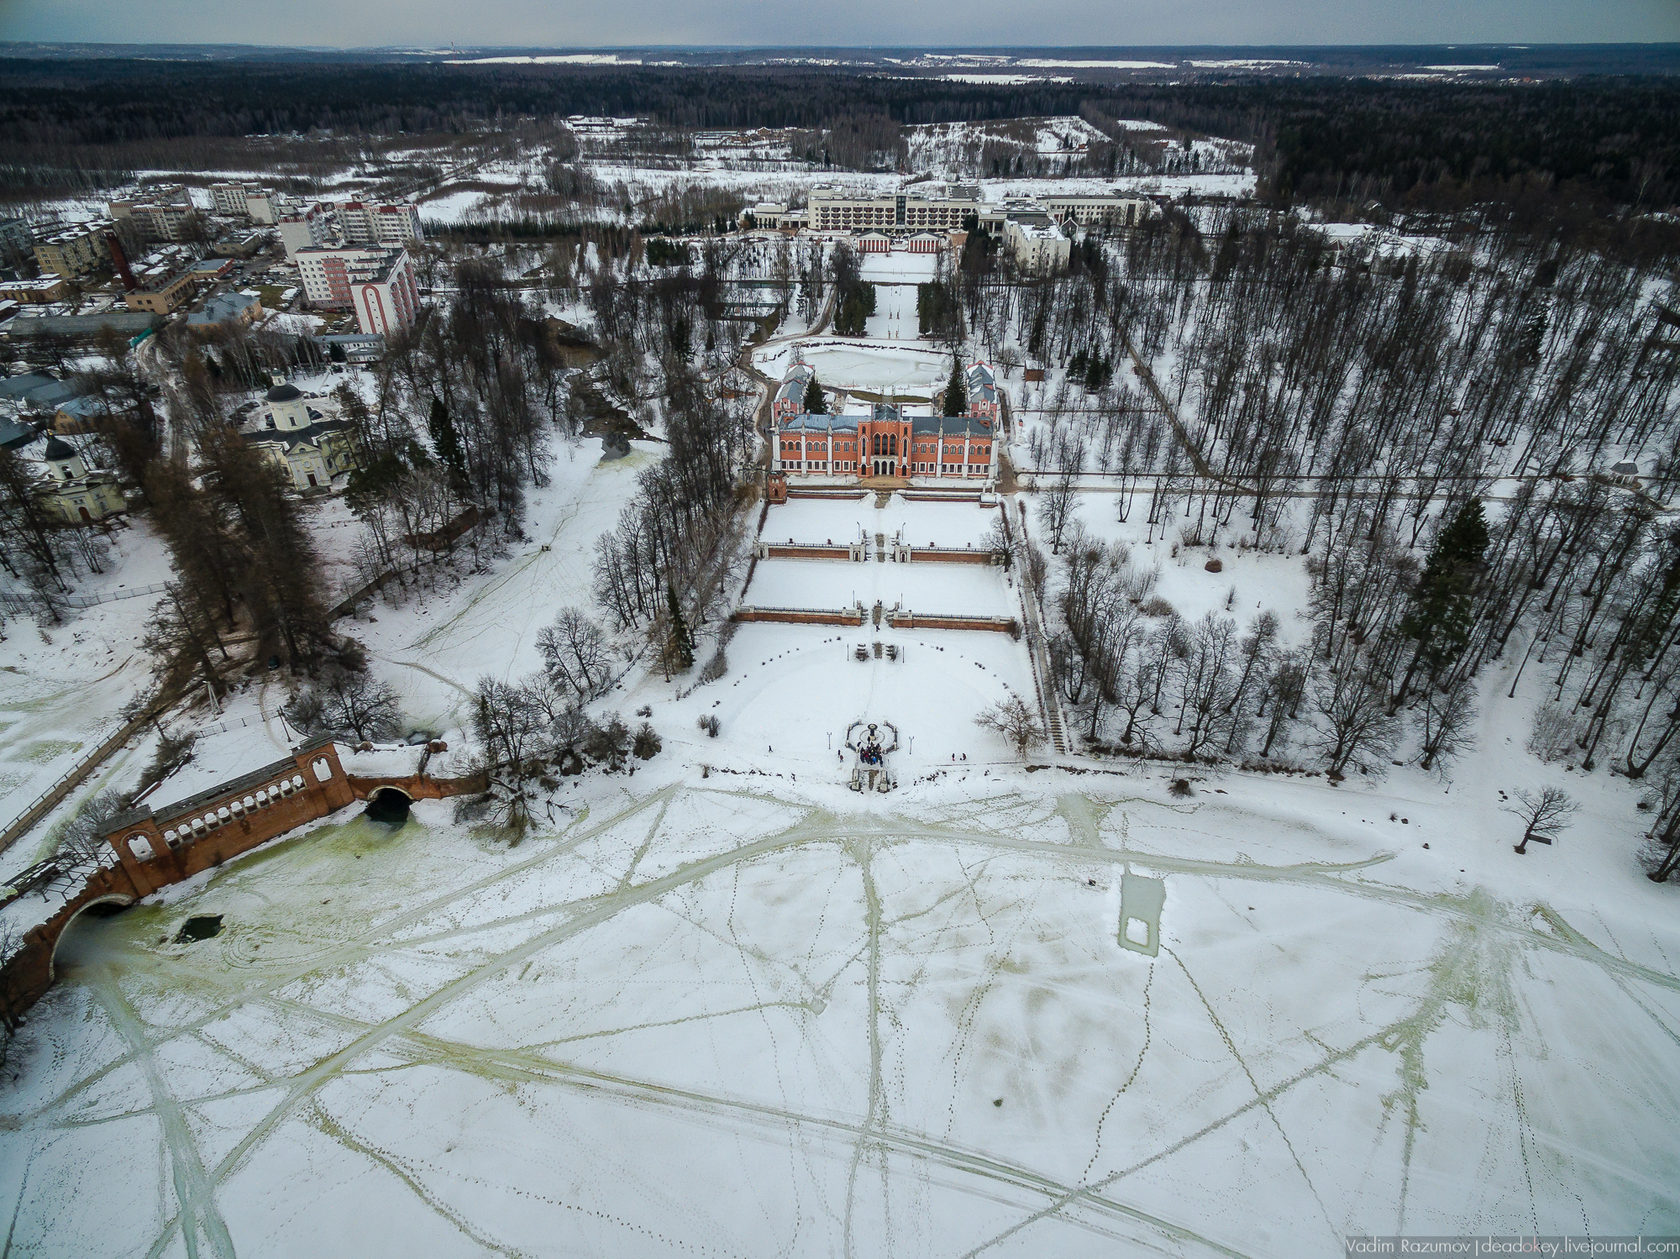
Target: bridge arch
x=389 y=803
x=110 y=898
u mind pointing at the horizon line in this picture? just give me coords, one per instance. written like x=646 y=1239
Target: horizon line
x=1523 y=45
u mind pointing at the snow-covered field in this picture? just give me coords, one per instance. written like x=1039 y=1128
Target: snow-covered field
x=748 y=1015
x=895 y=277
x=1249 y=581
x=920 y=523
x=725 y=1006
x=945 y=589
x=796 y=689
x=911 y=373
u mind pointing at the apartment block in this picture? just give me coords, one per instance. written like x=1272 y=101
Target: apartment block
x=310 y=228
x=361 y=223
x=377 y=282
x=165 y=213
x=938 y=208
x=1097 y=211
x=73 y=252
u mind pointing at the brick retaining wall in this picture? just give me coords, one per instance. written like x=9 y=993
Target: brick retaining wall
x=921 y=620
x=801 y=616
x=951 y=555
x=803 y=551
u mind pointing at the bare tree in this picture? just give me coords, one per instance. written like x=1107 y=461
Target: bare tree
x=1543 y=814
x=576 y=654
x=1055 y=508
x=1016 y=720
x=362 y=704
x=999 y=540
x=1353 y=720
x=83 y=837
x=1446 y=723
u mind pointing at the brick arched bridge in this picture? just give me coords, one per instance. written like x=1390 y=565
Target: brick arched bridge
x=156 y=848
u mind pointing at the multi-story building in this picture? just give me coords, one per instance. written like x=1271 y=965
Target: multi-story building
x=75 y=251
x=1097 y=211
x=310 y=228
x=231 y=197
x=942 y=209
x=377 y=283
x=886 y=440
x=360 y=223
x=1034 y=243
x=384 y=294
x=934 y=209
x=245 y=201
x=164 y=214
x=166 y=221
x=52 y=288
x=163 y=297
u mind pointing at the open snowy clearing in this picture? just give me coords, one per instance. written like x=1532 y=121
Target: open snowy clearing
x=1249 y=582
x=899 y=267
x=948 y=589
x=797 y=688
x=917 y=522
x=62 y=688
x=750 y=1016
x=912 y=374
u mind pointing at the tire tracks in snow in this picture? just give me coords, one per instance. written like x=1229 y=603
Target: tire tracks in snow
x=194 y=1192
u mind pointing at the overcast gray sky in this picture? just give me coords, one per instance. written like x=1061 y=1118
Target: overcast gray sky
x=573 y=23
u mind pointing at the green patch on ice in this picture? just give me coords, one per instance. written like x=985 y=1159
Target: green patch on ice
x=1470 y=972
x=44 y=751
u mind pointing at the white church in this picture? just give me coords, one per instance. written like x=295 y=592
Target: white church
x=302 y=433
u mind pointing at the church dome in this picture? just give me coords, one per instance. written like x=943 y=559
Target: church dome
x=284 y=393
x=59 y=449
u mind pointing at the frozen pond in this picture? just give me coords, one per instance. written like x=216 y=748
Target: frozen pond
x=748 y=1016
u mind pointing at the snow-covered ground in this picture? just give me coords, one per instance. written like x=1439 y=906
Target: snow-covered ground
x=909 y=373
x=436 y=649
x=726 y=1006
x=895 y=277
x=1249 y=582
x=63 y=688
x=748 y=1015
x=945 y=589
x=919 y=523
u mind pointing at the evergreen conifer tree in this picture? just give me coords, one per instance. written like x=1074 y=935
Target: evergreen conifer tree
x=814 y=404
x=956 y=390
x=447 y=442
x=679 y=645
x=1443 y=605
